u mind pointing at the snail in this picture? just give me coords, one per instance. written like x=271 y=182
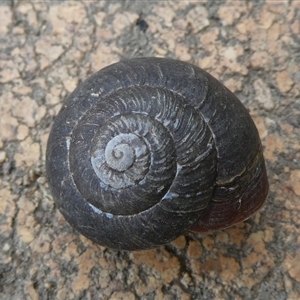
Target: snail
x=149 y=148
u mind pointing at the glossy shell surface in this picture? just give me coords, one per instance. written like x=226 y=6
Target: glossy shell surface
x=147 y=149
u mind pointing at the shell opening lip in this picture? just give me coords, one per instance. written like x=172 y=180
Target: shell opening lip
x=220 y=215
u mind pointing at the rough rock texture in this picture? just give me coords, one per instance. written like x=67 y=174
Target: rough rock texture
x=48 y=48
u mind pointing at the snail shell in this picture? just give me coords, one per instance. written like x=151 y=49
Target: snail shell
x=147 y=149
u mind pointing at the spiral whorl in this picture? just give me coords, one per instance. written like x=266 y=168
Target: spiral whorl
x=165 y=157
x=132 y=157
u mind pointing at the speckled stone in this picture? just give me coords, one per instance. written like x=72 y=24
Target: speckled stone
x=47 y=50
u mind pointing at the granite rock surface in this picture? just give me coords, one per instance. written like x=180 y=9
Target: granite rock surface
x=48 y=48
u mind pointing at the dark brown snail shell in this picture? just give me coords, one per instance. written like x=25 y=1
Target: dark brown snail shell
x=147 y=149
